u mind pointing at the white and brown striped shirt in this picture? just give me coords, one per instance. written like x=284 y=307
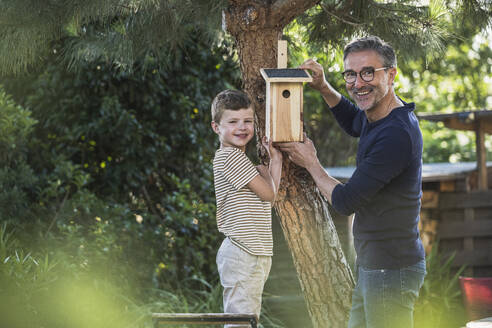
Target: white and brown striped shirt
x=241 y=214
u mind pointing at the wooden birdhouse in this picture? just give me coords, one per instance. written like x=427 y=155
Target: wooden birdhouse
x=284 y=99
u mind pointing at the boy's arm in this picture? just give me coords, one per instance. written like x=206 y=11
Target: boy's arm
x=275 y=167
x=267 y=183
x=263 y=185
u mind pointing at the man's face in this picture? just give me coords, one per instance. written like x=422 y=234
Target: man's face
x=368 y=95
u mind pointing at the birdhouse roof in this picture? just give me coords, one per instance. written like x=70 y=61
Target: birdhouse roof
x=285 y=75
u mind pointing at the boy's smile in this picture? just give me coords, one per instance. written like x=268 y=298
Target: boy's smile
x=236 y=128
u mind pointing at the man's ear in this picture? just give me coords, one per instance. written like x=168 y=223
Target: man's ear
x=392 y=74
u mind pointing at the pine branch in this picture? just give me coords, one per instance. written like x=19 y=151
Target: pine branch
x=117 y=31
x=284 y=11
x=341 y=18
x=412 y=30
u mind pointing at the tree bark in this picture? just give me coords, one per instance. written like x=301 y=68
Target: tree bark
x=324 y=274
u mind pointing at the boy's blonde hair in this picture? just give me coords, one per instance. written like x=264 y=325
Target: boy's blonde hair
x=230 y=100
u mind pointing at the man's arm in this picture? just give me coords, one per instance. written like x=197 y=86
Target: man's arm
x=325 y=183
x=347 y=115
x=387 y=157
x=304 y=154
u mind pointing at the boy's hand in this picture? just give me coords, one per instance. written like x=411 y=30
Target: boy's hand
x=273 y=153
x=263 y=170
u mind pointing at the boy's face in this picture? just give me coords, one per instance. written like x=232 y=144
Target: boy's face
x=236 y=128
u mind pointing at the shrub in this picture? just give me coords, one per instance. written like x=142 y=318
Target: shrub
x=16 y=176
x=121 y=147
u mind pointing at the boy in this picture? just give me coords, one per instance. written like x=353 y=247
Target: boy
x=244 y=195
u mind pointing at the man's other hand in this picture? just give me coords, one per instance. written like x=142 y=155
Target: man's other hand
x=300 y=153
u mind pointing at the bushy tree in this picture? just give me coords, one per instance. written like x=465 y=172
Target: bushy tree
x=458 y=82
x=129 y=130
x=122 y=163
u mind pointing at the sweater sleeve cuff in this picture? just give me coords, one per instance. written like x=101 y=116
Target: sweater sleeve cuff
x=340 y=104
x=337 y=201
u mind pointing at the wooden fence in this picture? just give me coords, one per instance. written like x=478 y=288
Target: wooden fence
x=465 y=227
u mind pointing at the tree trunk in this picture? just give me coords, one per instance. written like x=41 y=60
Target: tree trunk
x=324 y=274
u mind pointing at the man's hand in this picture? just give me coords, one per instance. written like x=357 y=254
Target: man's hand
x=301 y=153
x=319 y=82
x=330 y=95
x=304 y=154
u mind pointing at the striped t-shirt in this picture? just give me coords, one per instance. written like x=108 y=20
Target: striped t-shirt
x=241 y=214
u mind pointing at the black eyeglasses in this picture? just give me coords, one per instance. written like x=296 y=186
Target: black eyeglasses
x=367 y=74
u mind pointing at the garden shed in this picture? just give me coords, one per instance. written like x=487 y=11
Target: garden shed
x=480 y=122
x=464 y=209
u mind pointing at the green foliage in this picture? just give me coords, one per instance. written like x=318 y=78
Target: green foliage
x=123 y=165
x=116 y=31
x=439 y=304
x=157 y=251
x=191 y=235
x=459 y=82
x=16 y=176
x=404 y=23
x=23 y=279
x=38 y=291
x=127 y=130
x=444 y=145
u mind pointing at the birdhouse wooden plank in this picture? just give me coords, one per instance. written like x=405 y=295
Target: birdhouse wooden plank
x=284 y=103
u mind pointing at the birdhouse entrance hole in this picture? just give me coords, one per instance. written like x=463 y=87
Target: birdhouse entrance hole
x=286 y=93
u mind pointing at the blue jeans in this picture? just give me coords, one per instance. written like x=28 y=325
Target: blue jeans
x=384 y=298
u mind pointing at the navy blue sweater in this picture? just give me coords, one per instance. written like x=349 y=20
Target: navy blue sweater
x=384 y=191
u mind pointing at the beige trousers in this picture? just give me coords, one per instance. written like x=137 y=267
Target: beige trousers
x=243 y=277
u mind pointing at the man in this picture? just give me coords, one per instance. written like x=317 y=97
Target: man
x=385 y=189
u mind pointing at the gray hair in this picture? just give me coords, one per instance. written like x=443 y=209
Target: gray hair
x=384 y=50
